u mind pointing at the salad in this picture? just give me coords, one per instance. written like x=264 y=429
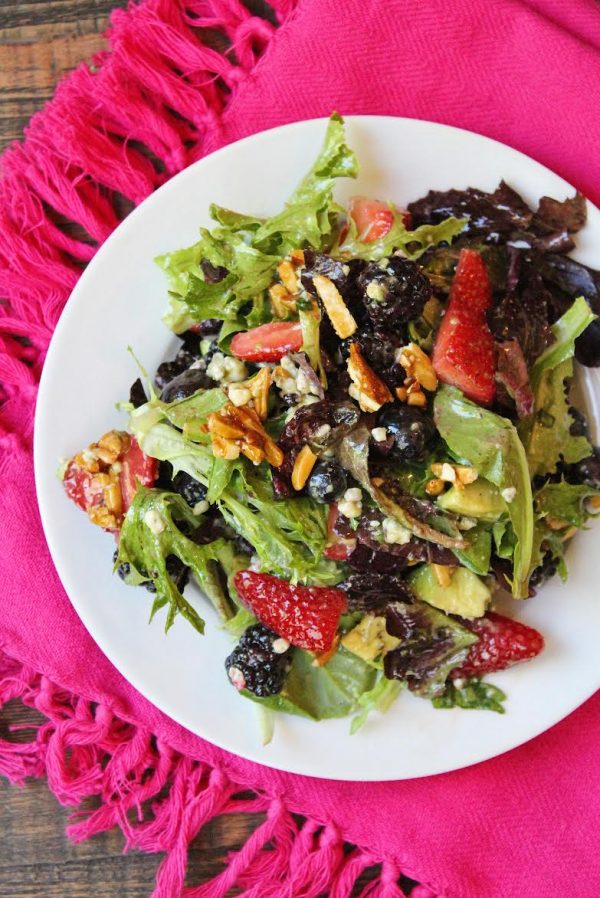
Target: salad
x=366 y=434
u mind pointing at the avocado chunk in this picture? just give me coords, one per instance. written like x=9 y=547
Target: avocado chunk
x=479 y=500
x=369 y=639
x=465 y=595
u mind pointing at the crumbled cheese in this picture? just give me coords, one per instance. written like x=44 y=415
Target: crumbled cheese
x=321 y=432
x=303 y=384
x=379 y=434
x=509 y=493
x=280 y=645
x=376 y=291
x=467 y=523
x=346 y=269
x=154 y=521
x=393 y=532
x=116 y=467
x=200 y=507
x=351 y=504
x=226 y=369
x=239 y=395
x=459 y=682
x=237 y=678
x=255 y=563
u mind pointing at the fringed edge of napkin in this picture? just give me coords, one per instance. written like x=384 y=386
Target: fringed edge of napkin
x=161 y=800
x=116 y=129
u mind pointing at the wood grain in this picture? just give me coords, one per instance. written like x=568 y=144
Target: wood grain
x=40 y=41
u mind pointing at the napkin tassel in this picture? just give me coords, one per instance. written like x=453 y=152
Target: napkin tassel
x=161 y=800
x=117 y=128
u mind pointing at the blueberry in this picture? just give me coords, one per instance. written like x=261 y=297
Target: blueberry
x=189 y=488
x=579 y=427
x=587 y=471
x=327 y=481
x=412 y=429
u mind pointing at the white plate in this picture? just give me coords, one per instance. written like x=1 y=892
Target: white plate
x=119 y=301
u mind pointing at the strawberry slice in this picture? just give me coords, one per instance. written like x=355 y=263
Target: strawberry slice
x=307 y=616
x=463 y=355
x=269 y=342
x=373 y=218
x=136 y=467
x=502 y=643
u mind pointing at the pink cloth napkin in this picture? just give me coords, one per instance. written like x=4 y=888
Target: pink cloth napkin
x=527 y=73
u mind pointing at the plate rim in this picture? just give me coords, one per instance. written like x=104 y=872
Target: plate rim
x=40 y=460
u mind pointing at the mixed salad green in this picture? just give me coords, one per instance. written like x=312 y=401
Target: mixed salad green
x=366 y=432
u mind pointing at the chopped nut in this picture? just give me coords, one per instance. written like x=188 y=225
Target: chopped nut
x=234 y=430
x=113 y=498
x=467 y=474
x=367 y=388
x=305 y=462
x=339 y=314
x=417 y=365
x=444 y=471
x=417 y=399
x=282 y=301
x=443 y=573
x=435 y=487
x=102 y=517
x=556 y=523
x=297 y=256
x=289 y=279
x=111 y=446
x=88 y=462
x=401 y=393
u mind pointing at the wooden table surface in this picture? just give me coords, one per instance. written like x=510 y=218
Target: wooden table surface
x=41 y=40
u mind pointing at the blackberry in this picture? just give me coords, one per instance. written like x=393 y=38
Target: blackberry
x=189 y=488
x=545 y=571
x=394 y=294
x=255 y=665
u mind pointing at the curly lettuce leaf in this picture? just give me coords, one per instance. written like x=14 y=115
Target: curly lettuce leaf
x=250 y=248
x=319 y=693
x=380 y=698
x=491 y=444
x=152 y=530
x=565 y=501
x=546 y=434
x=412 y=243
x=473 y=695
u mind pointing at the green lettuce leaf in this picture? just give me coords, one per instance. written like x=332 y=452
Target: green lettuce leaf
x=322 y=692
x=475 y=694
x=491 y=444
x=564 y=500
x=412 y=243
x=380 y=698
x=477 y=555
x=147 y=548
x=546 y=434
x=251 y=248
